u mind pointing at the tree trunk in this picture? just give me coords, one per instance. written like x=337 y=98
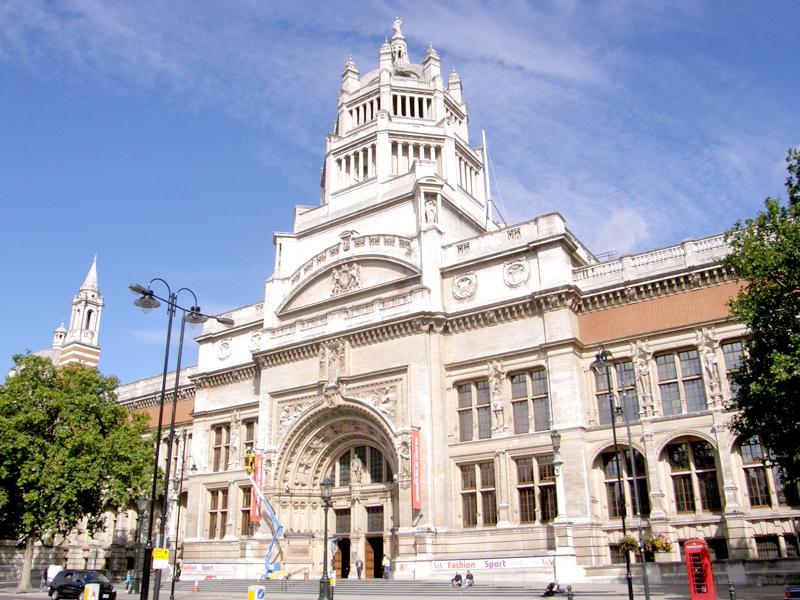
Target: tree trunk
x=25 y=576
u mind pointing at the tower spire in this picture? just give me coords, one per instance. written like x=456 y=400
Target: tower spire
x=81 y=340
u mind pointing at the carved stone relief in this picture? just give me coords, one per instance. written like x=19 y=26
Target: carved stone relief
x=224 y=349
x=255 y=341
x=382 y=399
x=345 y=278
x=236 y=425
x=290 y=414
x=464 y=286
x=516 y=272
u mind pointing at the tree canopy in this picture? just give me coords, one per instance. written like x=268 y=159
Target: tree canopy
x=766 y=258
x=68 y=451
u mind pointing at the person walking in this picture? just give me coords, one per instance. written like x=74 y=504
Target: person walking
x=359 y=566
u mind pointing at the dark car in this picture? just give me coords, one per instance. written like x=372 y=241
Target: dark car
x=69 y=583
x=793 y=592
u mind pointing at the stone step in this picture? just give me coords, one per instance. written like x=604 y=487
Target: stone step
x=364 y=587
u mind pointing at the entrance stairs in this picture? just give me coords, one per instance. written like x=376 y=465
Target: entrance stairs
x=363 y=587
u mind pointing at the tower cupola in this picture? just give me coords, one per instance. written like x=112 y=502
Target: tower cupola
x=80 y=342
x=399 y=47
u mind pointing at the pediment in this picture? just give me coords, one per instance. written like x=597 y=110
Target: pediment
x=350 y=280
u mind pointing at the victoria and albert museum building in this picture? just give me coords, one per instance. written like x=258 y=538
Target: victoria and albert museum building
x=461 y=382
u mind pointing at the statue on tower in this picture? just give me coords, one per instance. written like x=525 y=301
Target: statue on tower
x=398 y=22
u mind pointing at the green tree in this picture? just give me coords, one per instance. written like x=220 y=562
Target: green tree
x=68 y=452
x=766 y=259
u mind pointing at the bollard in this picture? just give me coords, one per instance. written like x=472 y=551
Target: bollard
x=731 y=590
x=569 y=592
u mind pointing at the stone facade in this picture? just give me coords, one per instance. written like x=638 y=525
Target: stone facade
x=400 y=311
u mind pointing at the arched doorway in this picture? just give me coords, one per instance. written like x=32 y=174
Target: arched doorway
x=354 y=446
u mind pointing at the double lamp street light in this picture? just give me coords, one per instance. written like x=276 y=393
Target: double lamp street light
x=148 y=301
x=602 y=363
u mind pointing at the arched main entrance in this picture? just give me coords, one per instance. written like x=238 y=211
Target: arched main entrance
x=354 y=446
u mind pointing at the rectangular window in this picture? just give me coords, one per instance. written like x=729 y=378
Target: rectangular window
x=249 y=436
x=688 y=380
x=375 y=465
x=709 y=490
x=482 y=401
x=526 y=490
x=521 y=419
x=791 y=546
x=246 y=527
x=221 y=448
x=547 y=487
x=217 y=514
x=469 y=508
x=734 y=356
x=623 y=380
x=375 y=519
x=343 y=521
x=757 y=490
x=617 y=555
x=718 y=547
x=489 y=504
x=767 y=546
x=465 y=421
x=529 y=395
x=684 y=494
x=344 y=469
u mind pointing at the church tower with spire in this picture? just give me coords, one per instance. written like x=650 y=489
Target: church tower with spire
x=79 y=343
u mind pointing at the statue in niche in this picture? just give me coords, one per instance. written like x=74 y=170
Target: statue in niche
x=710 y=364
x=496 y=374
x=643 y=375
x=236 y=425
x=430 y=210
x=355 y=470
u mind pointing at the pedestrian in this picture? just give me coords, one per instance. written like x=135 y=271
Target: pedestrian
x=387 y=566
x=127 y=580
x=468 y=580
x=359 y=566
x=456 y=581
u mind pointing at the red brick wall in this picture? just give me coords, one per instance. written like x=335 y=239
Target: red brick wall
x=640 y=318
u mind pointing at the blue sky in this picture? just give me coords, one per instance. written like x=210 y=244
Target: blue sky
x=172 y=138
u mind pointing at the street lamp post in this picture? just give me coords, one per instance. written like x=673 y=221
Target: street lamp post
x=637 y=502
x=141 y=505
x=147 y=302
x=602 y=361
x=326 y=488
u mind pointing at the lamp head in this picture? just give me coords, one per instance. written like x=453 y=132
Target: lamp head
x=326 y=489
x=147 y=302
x=602 y=360
x=194 y=317
x=142 y=503
x=228 y=322
x=555 y=436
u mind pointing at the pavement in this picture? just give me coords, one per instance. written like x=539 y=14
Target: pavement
x=8 y=591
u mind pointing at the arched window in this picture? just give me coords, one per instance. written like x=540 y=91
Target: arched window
x=371 y=465
x=623 y=382
x=765 y=485
x=89 y=315
x=614 y=494
x=694 y=467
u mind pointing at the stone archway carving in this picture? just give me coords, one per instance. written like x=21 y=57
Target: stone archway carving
x=307 y=452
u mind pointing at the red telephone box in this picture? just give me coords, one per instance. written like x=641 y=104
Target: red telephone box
x=698 y=564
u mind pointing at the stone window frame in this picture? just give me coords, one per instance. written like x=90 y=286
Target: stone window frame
x=367 y=458
x=683 y=372
x=474 y=410
x=478 y=488
x=691 y=475
x=530 y=396
x=542 y=484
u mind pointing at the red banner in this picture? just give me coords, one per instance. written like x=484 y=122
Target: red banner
x=416 y=502
x=255 y=501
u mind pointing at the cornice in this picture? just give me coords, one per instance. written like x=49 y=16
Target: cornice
x=212 y=380
x=154 y=400
x=661 y=287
